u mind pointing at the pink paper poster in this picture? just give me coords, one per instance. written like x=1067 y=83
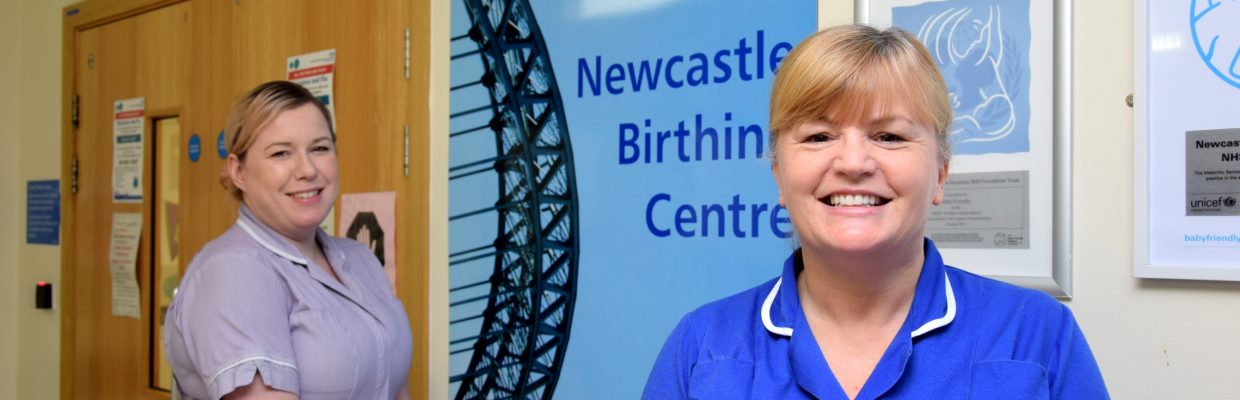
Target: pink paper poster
x=370 y=219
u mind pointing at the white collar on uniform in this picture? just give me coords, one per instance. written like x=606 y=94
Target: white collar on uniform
x=933 y=324
x=258 y=238
x=766 y=312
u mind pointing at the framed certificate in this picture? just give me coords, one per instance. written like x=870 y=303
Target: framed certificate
x=1186 y=145
x=1006 y=211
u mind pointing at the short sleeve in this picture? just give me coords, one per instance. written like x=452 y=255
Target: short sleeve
x=1075 y=374
x=234 y=322
x=670 y=376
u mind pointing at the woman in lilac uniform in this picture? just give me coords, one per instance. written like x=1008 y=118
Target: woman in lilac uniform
x=275 y=308
x=865 y=308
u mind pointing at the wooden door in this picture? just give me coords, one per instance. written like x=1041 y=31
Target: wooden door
x=246 y=43
x=144 y=55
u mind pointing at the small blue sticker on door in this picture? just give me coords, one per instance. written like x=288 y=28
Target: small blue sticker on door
x=219 y=145
x=195 y=148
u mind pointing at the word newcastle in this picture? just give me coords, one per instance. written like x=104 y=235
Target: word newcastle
x=696 y=138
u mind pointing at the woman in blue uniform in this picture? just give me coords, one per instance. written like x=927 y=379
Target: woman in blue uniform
x=865 y=308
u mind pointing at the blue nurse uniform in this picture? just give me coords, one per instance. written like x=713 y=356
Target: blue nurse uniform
x=965 y=337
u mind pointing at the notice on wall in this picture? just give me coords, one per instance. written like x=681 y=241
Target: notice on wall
x=985 y=210
x=43 y=212
x=315 y=72
x=122 y=260
x=128 y=126
x=370 y=218
x=1212 y=184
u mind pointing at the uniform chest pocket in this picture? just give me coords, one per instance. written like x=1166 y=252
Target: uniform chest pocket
x=1015 y=380
x=722 y=379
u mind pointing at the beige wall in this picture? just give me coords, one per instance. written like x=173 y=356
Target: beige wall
x=1155 y=339
x=10 y=192
x=36 y=156
x=437 y=277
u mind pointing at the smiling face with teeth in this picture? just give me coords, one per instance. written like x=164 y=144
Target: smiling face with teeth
x=288 y=175
x=859 y=120
x=860 y=185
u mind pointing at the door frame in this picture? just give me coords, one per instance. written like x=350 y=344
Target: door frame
x=76 y=18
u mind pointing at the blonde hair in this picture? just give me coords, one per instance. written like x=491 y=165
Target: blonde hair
x=843 y=72
x=253 y=111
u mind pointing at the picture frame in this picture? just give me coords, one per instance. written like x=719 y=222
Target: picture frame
x=1008 y=66
x=1184 y=225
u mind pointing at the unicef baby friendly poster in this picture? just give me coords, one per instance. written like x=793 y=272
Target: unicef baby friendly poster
x=1193 y=132
x=608 y=174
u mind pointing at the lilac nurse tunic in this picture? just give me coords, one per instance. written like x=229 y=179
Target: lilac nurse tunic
x=250 y=302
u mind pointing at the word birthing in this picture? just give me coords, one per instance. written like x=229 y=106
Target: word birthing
x=642 y=144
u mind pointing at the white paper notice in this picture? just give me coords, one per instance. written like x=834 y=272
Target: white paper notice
x=329 y=224
x=128 y=126
x=123 y=258
x=314 y=71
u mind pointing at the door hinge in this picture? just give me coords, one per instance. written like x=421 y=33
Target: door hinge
x=406 y=56
x=73 y=113
x=406 y=150
x=73 y=175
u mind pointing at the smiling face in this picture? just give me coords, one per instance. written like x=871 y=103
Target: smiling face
x=288 y=174
x=859 y=122
x=861 y=185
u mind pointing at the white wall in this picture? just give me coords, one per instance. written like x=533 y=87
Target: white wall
x=37 y=157
x=1154 y=339
x=10 y=192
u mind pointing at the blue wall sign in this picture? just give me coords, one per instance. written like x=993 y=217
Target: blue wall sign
x=43 y=212
x=644 y=145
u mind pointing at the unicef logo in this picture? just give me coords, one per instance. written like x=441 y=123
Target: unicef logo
x=1229 y=202
x=1217 y=40
x=1000 y=239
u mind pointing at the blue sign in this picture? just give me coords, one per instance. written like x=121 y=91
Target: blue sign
x=195 y=147
x=626 y=187
x=219 y=146
x=43 y=212
x=982 y=48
